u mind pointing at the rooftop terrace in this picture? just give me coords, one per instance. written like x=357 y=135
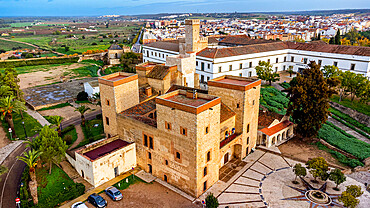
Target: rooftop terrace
x=118 y=78
x=235 y=83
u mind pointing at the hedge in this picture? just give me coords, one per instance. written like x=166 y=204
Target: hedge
x=34 y=62
x=274 y=100
x=285 y=85
x=351 y=126
x=344 y=141
x=350 y=120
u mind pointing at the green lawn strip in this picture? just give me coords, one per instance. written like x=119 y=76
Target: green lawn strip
x=121 y=185
x=340 y=157
x=86 y=71
x=10 y=45
x=92 y=133
x=344 y=141
x=351 y=126
x=56 y=188
x=274 y=100
x=113 y=69
x=70 y=130
x=350 y=120
x=37 y=62
x=355 y=105
x=285 y=85
x=99 y=63
x=61 y=105
x=30 y=124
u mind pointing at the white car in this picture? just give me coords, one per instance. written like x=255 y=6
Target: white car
x=79 y=205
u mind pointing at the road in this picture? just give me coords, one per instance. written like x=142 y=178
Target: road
x=9 y=182
x=137 y=46
x=77 y=119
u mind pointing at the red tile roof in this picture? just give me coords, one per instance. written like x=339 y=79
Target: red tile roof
x=139 y=112
x=106 y=149
x=266 y=118
x=276 y=128
x=166 y=45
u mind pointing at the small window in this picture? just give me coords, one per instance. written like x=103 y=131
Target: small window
x=240 y=74
x=202 y=66
x=305 y=60
x=240 y=66
x=207 y=129
x=219 y=69
x=250 y=74
x=151 y=142
x=165 y=178
x=284 y=58
x=196 y=63
x=226 y=134
x=276 y=69
x=208 y=156
x=166 y=162
x=253 y=102
x=149 y=155
x=205 y=171
x=248 y=128
x=205 y=186
x=353 y=67
x=284 y=67
x=292 y=59
x=108 y=104
x=145 y=140
x=237 y=105
x=209 y=66
x=168 y=125
x=268 y=60
x=248 y=140
x=230 y=67
x=107 y=121
x=277 y=60
x=178 y=156
x=208 y=79
x=183 y=131
x=320 y=62
x=335 y=63
x=250 y=64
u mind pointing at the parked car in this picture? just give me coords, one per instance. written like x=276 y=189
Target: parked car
x=79 y=205
x=113 y=193
x=97 y=200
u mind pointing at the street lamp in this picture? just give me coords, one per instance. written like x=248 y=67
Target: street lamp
x=10 y=132
x=24 y=128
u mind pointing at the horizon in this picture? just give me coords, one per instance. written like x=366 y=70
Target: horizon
x=69 y=8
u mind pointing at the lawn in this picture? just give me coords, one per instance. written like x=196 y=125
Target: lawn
x=346 y=142
x=8 y=46
x=85 y=71
x=355 y=105
x=274 y=100
x=121 y=185
x=70 y=130
x=92 y=133
x=21 y=24
x=61 y=105
x=29 y=69
x=30 y=125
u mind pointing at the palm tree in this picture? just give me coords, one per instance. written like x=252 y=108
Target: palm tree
x=30 y=158
x=82 y=109
x=57 y=120
x=8 y=105
x=5 y=91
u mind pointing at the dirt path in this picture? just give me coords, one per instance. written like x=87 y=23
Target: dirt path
x=3 y=138
x=80 y=136
x=349 y=130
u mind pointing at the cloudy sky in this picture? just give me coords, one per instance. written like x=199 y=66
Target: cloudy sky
x=129 y=7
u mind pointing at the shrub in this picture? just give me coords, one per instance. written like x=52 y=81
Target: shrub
x=285 y=85
x=35 y=62
x=68 y=139
x=211 y=201
x=81 y=96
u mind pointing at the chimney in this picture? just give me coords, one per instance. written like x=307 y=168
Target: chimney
x=148 y=91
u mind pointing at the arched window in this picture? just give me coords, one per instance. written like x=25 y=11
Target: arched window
x=205 y=171
x=226 y=134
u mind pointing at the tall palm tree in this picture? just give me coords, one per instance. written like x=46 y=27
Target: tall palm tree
x=82 y=109
x=8 y=106
x=30 y=158
x=5 y=91
x=57 y=120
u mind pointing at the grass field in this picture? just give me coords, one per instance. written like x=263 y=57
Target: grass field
x=8 y=46
x=355 y=105
x=21 y=24
x=29 y=69
x=30 y=124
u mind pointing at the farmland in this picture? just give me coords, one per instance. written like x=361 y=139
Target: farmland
x=8 y=46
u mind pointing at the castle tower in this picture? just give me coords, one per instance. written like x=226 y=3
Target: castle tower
x=242 y=95
x=118 y=92
x=192 y=28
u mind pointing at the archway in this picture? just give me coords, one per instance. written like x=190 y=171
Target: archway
x=278 y=138
x=226 y=158
x=273 y=141
x=284 y=135
x=264 y=140
x=288 y=133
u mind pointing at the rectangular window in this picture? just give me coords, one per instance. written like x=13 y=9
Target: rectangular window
x=108 y=102
x=196 y=63
x=353 y=67
x=208 y=156
x=268 y=60
x=178 y=156
x=276 y=69
x=205 y=186
x=284 y=67
x=208 y=79
x=240 y=66
x=250 y=64
x=284 y=58
x=207 y=129
x=230 y=67
x=250 y=74
x=219 y=69
x=335 y=63
x=168 y=125
x=151 y=142
x=149 y=155
x=305 y=60
x=145 y=140
x=205 y=171
x=320 y=62
x=201 y=78
x=277 y=60
x=202 y=66
x=107 y=120
x=248 y=128
x=292 y=59
x=183 y=131
x=209 y=66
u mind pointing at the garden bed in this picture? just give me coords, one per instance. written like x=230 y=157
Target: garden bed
x=274 y=100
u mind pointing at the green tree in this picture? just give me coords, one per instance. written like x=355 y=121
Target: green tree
x=82 y=110
x=10 y=78
x=309 y=100
x=337 y=177
x=348 y=197
x=57 y=120
x=8 y=106
x=354 y=190
x=211 y=201
x=337 y=38
x=5 y=91
x=318 y=167
x=53 y=147
x=299 y=170
x=352 y=84
x=330 y=71
x=264 y=72
x=352 y=36
x=30 y=158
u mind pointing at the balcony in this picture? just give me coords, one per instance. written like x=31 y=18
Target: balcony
x=228 y=140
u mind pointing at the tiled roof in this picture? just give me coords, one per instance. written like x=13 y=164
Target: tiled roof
x=266 y=118
x=179 y=87
x=276 y=128
x=138 y=112
x=226 y=113
x=241 y=40
x=327 y=48
x=158 y=72
x=165 y=45
x=106 y=149
x=115 y=47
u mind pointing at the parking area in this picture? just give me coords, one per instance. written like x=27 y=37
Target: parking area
x=145 y=195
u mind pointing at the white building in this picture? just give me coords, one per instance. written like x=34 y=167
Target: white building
x=239 y=55
x=91 y=87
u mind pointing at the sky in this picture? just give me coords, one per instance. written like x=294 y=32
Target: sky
x=132 y=7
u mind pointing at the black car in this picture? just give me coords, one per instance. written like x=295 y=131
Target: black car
x=97 y=200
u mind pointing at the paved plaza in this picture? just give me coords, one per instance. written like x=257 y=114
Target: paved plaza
x=265 y=181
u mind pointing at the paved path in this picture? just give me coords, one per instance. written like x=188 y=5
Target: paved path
x=8 y=149
x=349 y=130
x=80 y=136
x=36 y=115
x=77 y=119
